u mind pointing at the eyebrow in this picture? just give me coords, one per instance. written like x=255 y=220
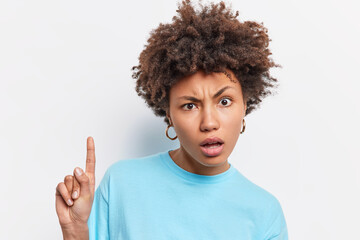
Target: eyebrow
x=197 y=100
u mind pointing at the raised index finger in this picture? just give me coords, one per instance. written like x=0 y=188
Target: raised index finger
x=90 y=161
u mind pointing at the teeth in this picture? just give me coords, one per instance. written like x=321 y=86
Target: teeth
x=213 y=145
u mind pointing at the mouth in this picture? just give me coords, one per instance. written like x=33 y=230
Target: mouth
x=212 y=150
x=212 y=147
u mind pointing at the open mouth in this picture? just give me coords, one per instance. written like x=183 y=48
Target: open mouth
x=213 y=149
x=212 y=145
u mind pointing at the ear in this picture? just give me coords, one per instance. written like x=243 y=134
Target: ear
x=168 y=115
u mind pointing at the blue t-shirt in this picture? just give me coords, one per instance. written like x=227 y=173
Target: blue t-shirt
x=153 y=198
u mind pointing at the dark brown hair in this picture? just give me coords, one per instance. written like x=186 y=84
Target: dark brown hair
x=210 y=39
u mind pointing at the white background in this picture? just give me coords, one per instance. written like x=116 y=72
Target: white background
x=65 y=75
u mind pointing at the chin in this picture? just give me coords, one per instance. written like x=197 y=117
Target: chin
x=213 y=161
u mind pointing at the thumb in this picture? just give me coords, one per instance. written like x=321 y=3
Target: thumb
x=84 y=181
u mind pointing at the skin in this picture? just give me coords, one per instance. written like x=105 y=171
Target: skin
x=74 y=198
x=194 y=121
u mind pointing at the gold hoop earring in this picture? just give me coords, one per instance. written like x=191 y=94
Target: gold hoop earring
x=244 y=125
x=166 y=132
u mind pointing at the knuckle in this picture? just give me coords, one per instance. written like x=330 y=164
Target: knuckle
x=58 y=187
x=68 y=178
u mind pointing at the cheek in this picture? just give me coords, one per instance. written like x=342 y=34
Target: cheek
x=232 y=126
x=186 y=130
x=232 y=117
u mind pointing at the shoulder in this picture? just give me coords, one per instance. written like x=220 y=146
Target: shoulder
x=257 y=196
x=130 y=168
x=272 y=216
x=267 y=206
x=134 y=164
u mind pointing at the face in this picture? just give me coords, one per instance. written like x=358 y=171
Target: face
x=205 y=106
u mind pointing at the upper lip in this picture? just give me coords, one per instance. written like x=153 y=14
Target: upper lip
x=211 y=140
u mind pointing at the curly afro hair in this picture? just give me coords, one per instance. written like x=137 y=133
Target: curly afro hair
x=210 y=39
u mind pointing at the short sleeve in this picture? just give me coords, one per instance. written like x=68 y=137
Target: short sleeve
x=98 y=222
x=278 y=227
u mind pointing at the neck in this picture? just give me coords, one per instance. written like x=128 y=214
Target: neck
x=184 y=160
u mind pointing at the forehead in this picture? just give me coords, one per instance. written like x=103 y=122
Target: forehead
x=200 y=82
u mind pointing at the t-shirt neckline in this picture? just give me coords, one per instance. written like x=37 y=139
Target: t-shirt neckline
x=193 y=177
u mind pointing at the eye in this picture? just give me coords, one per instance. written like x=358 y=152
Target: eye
x=187 y=105
x=225 y=101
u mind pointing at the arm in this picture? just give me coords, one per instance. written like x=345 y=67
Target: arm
x=278 y=227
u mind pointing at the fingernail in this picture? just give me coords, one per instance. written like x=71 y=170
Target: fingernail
x=75 y=194
x=78 y=171
x=69 y=202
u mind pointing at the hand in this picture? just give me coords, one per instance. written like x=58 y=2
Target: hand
x=74 y=196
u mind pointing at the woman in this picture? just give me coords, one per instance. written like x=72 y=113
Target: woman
x=203 y=73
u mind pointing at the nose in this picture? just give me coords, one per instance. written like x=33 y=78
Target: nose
x=209 y=120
